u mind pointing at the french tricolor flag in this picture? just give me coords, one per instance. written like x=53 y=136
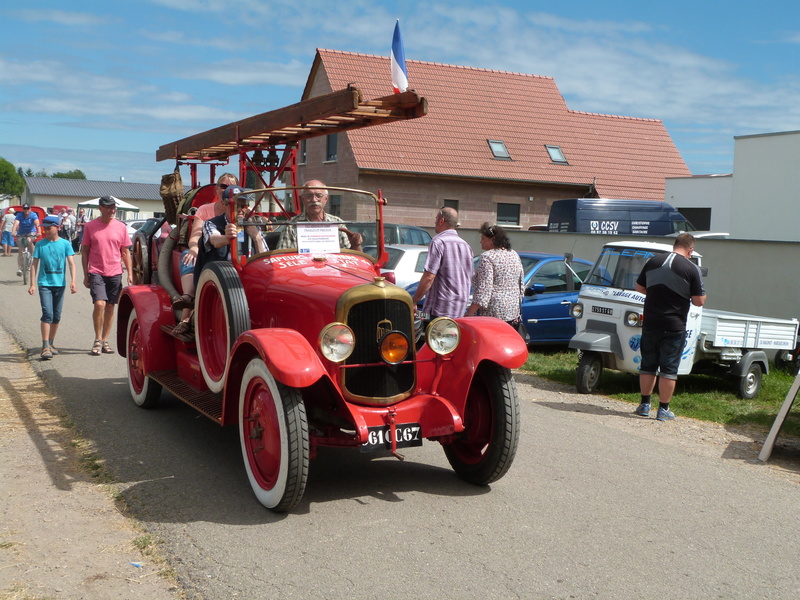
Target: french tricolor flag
x=399 y=73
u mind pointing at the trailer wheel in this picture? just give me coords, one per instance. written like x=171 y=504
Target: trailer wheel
x=590 y=368
x=140 y=260
x=486 y=448
x=273 y=431
x=144 y=391
x=221 y=316
x=750 y=382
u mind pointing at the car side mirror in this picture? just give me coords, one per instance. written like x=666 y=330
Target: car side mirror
x=534 y=288
x=704 y=271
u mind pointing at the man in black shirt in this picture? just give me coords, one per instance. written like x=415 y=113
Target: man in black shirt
x=670 y=282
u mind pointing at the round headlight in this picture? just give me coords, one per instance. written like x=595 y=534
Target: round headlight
x=576 y=311
x=633 y=319
x=337 y=342
x=443 y=335
x=394 y=347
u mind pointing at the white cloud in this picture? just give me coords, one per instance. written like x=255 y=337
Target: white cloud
x=61 y=17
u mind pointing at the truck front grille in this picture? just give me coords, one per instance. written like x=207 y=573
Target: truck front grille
x=369 y=320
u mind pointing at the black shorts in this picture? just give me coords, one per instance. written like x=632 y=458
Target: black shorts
x=105 y=288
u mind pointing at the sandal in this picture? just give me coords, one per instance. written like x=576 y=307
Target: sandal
x=107 y=349
x=46 y=354
x=53 y=351
x=184 y=301
x=97 y=347
x=182 y=328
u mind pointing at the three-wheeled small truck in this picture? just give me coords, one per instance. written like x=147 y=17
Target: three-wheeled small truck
x=310 y=346
x=609 y=326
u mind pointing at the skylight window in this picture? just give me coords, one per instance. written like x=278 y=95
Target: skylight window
x=556 y=155
x=499 y=150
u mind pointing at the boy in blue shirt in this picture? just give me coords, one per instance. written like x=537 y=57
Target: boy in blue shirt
x=53 y=254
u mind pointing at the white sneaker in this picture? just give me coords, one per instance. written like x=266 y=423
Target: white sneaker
x=19 y=272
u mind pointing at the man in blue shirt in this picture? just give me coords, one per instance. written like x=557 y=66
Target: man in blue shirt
x=26 y=230
x=53 y=254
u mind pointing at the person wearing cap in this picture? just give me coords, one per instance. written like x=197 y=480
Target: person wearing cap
x=314 y=201
x=185 y=302
x=80 y=222
x=26 y=230
x=53 y=254
x=105 y=242
x=8 y=227
x=219 y=231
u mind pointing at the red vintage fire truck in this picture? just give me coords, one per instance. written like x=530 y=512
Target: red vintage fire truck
x=307 y=348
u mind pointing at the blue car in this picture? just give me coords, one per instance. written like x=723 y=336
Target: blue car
x=550 y=288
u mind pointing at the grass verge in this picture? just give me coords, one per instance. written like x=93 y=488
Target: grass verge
x=705 y=397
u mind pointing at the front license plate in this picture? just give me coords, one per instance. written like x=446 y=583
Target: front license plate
x=380 y=438
x=602 y=310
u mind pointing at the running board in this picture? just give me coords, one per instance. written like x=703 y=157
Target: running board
x=207 y=402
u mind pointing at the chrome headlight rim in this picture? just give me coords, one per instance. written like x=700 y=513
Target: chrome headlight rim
x=337 y=342
x=633 y=318
x=443 y=335
x=576 y=310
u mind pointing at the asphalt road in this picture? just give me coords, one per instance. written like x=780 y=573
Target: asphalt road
x=598 y=504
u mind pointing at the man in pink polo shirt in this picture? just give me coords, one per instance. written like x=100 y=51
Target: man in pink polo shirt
x=105 y=242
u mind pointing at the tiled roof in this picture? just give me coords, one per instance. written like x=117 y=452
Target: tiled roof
x=628 y=157
x=83 y=188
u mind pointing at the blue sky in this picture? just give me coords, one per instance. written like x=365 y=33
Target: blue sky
x=99 y=86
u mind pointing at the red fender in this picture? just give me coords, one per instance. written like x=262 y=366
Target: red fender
x=153 y=309
x=482 y=339
x=289 y=357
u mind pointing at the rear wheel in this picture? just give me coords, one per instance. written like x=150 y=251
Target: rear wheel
x=273 y=431
x=750 y=383
x=222 y=315
x=590 y=368
x=140 y=260
x=484 y=451
x=144 y=391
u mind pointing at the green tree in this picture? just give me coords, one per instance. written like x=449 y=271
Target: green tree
x=28 y=172
x=10 y=181
x=41 y=173
x=74 y=174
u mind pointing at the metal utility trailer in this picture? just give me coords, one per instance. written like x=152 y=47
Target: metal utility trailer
x=609 y=321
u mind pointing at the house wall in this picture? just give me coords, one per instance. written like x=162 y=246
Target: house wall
x=713 y=192
x=759 y=201
x=765 y=191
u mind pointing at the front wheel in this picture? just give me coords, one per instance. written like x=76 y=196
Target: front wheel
x=590 y=368
x=484 y=451
x=273 y=431
x=144 y=391
x=750 y=383
x=26 y=267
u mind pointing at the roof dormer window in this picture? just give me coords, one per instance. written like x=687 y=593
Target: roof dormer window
x=556 y=155
x=499 y=150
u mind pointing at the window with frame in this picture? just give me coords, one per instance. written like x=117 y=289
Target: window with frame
x=507 y=214
x=451 y=204
x=553 y=276
x=331 y=142
x=334 y=204
x=556 y=154
x=499 y=150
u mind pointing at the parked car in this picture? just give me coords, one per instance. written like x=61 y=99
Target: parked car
x=551 y=286
x=405 y=265
x=392 y=233
x=133 y=226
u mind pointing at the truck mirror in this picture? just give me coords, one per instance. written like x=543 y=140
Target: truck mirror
x=704 y=271
x=568 y=256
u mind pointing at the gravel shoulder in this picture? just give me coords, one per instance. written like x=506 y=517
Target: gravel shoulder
x=61 y=533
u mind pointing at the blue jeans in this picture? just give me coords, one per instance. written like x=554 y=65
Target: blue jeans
x=52 y=299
